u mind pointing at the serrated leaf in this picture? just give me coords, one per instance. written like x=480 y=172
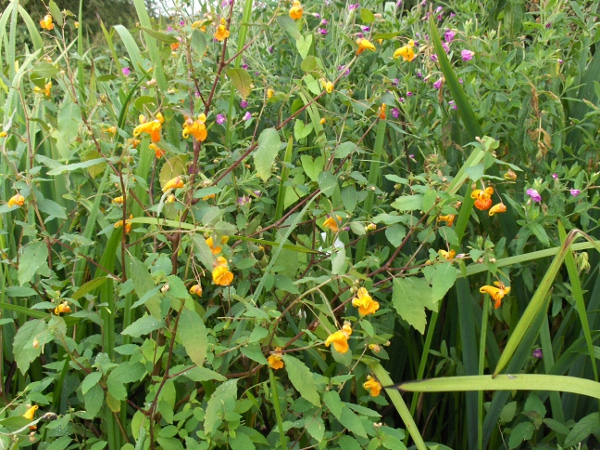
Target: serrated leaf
x=268 y=148
x=445 y=275
x=395 y=234
x=90 y=381
x=352 y=422
x=193 y=336
x=316 y=428
x=143 y=326
x=159 y=35
x=302 y=379
x=241 y=80
x=333 y=401
x=410 y=297
x=32 y=259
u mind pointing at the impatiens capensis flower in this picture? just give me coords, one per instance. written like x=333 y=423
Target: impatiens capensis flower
x=215 y=249
x=63 y=308
x=46 y=22
x=45 y=91
x=127 y=224
x=30 y=415
x=275 y=361
x=364 y=44
x=151 y=127
x=407 y=52
x=483 y=198
x=449 y=255
x=372 y=385
x=333 y=223
x=222 y=32
x=365 y=303
x=16 y=200
x=327 y=85
x=196 y=289
x=118 y=200
x=196 y=128
x=222 y=276
x=448 y=218
x=270 y=93
x=339 y=339
x=382 y=110
x=510 y=175
x=175 y=183
x=296 y=10
x=158 y=152
x=497 y=293
x=497 y=209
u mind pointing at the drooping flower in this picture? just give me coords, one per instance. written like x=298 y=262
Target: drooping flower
x=537 y=353
x=158 y=152
x=296 y=10
x=174 y=46
x=215 y=249
x=510 y=175
x=575 y=192
x=275 y=361
x=467 y=55
x=151 y=127
x=449 y=255
x=333 y=223
x=406 y=51
x=448 y=218
x=196 y=289
x=222 y=276
x=353 y=6
x=329 y=86
x=196 y=128
x=449 y=36
x=247 y=116
x=372 y=385
x=322 y=31
x=175 y=183
x=16 y=200
x=243 y=104
x=438 y=83
x=364 y=302
x=222 y=32
x=535 y=195
x=497 y=293
x=339 y=339
x=30 y=414
x=127 y=224
x=63 y=308
x=497 y=209
x=170 y=198
x=364 y=44
x=45 y=91
x=395 y=113
x=46 y=22
x=483 y=198
x=118 y=200
x=381 y=113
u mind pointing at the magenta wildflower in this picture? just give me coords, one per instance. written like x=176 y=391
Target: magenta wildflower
x=247 y=116
x=446 y=47
x=270 y=49
x=535 y=195
x=244 y=66
x=452 y=104
x=221 y=119
x=555 y=176
x=395 y=113
x=549 y=25
x=395 y=82
x=537 y=353
x=467 y=55
x=322 y=31
x=434 y=58
x=409 y=94
x=365 y=29
x=126 y=71
x=324 y=22
x=243 y=200
x=449 y=36
x=353 y=6
x=243 y=104
x=575 y=192
x=438 y=83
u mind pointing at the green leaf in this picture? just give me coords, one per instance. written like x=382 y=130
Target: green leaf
x=333 y=401
x=90 y=381
x=316 y=428
x=408 y=203
x=303 y=45
x=395 y=234
x=56 y=14
x=349 y=443
x=327 y=183
x=366 y=16
x=522 y=432
x=352 y=422
x=410 y=297
x=582 y=429
x=123 y=374
x=221 y=401
x=310 y=64
x=93 y=399
x=311 y=167
x=23 y=348
x=241 y=80
x=344 y=149
x=475 y=172
x=241 y=441
x=53 y=209
x=301 y=130
x=254 y=352
x=202 y=252
x=198 y=43
x=444 y=277
x=19 y=291
x=76 y=166
x=289 y=26
x=338 y=263
x=200 y=374
x=159 y=35
x=143 y=326
x=302 y=379
x=33 y=258
x=429 y=199
x=193 y=336
x=268 y=148
x=143 y=283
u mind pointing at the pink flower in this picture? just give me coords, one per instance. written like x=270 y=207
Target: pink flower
x=395 y=113
x=575 y=192
x=243 y=104
x=438 y=83
x=126 y=71
x=221 y=119
x=467 y=55
x=322 y=31
x=555 y=176
x=446 y=47
x=353 y=6
x=324 y=22
x=535 y=195
x=247 y=116
x=449 y=35
x=452 y=104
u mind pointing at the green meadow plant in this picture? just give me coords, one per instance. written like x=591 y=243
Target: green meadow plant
x=301 y=225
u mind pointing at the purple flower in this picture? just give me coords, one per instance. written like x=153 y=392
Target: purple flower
x=419 y=74
x=247 y=116
x=182 y=22
x=440 y=17
x=169 y=28
x=317 y=15
x=395 y=113
x=322 y=31
x=535 y=195
x=353 y=6
x=411 y=156
x=575 y=192
x=452 y=14
x=243 y=200
x=244 y=66
x=452 y=104
x=424 y=2
x=467 y=55
x=438 y=9
x=549 y=25
x=324 y=22
x=365 y=29
x=395 y=82
x=460 y=80
x=438 y=83
x=537 y=353
x=446 y=47
x=409 y=94
x=270 y=49
x=126 y=71
x=560 y=61
x=221 y=119
x=243 y=104
x=555 y=176
x=197 y=94
x=399 y=3
x=401 y=100
x=360 y=35
x=343 y=67
x=433 y=58
x=449 y=36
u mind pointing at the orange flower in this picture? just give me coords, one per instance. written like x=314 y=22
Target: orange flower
x=447 y=255
x=364 y=44
x=30 y=415
x=215 y=249
x=339 y=339
x=158 y=152
x=222 y=32
x=333 y=223
x=483 y=198
x=46 y=22
x=448 y=218
x=16 y=200
x=275 y=361
x=296 y=10
x=127 y=224
x=365 y=303
x=45 y=91
x=152 y=127
x=497 y=293
x=406 y=51
x=118 y=200
x=196 y=128
x=196 y=290
x=382 y=109
x=174 y=46
x=372 y=385
x=222 y=276
x=62 y=308
x=175 y=183
x=497 y=208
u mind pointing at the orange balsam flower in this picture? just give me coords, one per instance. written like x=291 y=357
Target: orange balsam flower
x=46 y=22
x=63 y=308
x=382 y=110
x=447 y=255
x=407 y=51
x=483 y=198
x=448 y=218
x=372 y=385
x=333 y=223
x=196 y=290
x=222 y=275
x=339 y=339
x=196 y=128
x=296 y=10
x=175 y=183
x=364 y=44
x=215 y=249
x=497 y=293
x=151 y=127
x=497 y=209
x=158 y=152
x=222 y=32
x=30 y=415
x=275 y=361
x=127 y=224
x=365 y=303
x=45 y=91
x=118 y=200
x=16 y=200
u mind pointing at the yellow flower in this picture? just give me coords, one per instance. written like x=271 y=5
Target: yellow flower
x=215 y=249
x=381 y=112
x=3 y=134
x=196 y=289
x=364 y=44
x=151 y=127
x=333 y=223
x=110 y=130
x=510 y=175
x=483 y=198
x=329 y=86
x=45 y=91
x=375 y=348
x=127 y=224
x=322 y=121
x=62 y=308
x=222 y=276
x=448 y=218
x=497 y=293
x=196 y=128
x=46 y=22
x=30 y=415
x=16 y=200
x=220 y=262
x=158 y=152
x=118 y=200
x=175 y=183
x=76 y=24
x=270 y=93
x=406 y=51
x=497 y=208
x=222 y=32
x=275 y=361
x=170 y=198
x=296 y=10
x=365 y=303
x=372 y=385
x=448 y=255
x=339 y=339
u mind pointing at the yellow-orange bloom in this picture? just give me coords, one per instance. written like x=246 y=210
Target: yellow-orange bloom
x=275 y=361
x=45 y=91
x=118 y=200
x=447 y=255
x=151 y=127
x=365 y=303
x=30 y=415
x=372 y=385
x=364 y=44
x=497 y=293
x=158 y=152
x=16 y=200
x=327 y=85
x=270 y=93
x=510 y=175
x=175 y=183
x=222 y=276
x=62 y=308
x=215 y=249
x=222 y=32
x=127 y=224
x=381 y=112
x=3 y=134
x=483 y=198
x=296 y=10
x=170 y=199
x=196 y=128
x=46 y=22
x=174 y=46
x=110 y=130
x=333 y=223
x=497 y=208
x=448 y=218
x=339 y=339
x=407 y=51
x=196 y=290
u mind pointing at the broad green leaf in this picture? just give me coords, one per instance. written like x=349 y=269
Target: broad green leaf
x=395 y=234
x=316 y=428
x=241 y=80
x=303 y=45
x=410 y=297
x=522 y=432
x=444 y=277
x=76 y=166
x=429 y=199
x=582 y=429
x=309 y=64
x=344 y=149
x=159 y=35
x=88 y=287
x=254 y=352
x=349 y=443
x=352 y=422
x=221 y=401
x=56 y=14
x=90 y=381
x=143 y=326
x=333 y=401
x=19 y=291
x=301 y=130
x=52 y=209
x=43 y=70
x=366 y=16
x=33 y=258
x=193 y=336
x=268 y=148
x=338 y=263
x=290 y=26
x=313 y=85
x=202 y=252
x=327 y=183
x=198 y=42
x=408 y=203
x=302 y=379
x=200 y=374
x=123 y=374
x=93 y=155
x=241 y=441
x=311 y=167
x=143 y=283
x=30 y=333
